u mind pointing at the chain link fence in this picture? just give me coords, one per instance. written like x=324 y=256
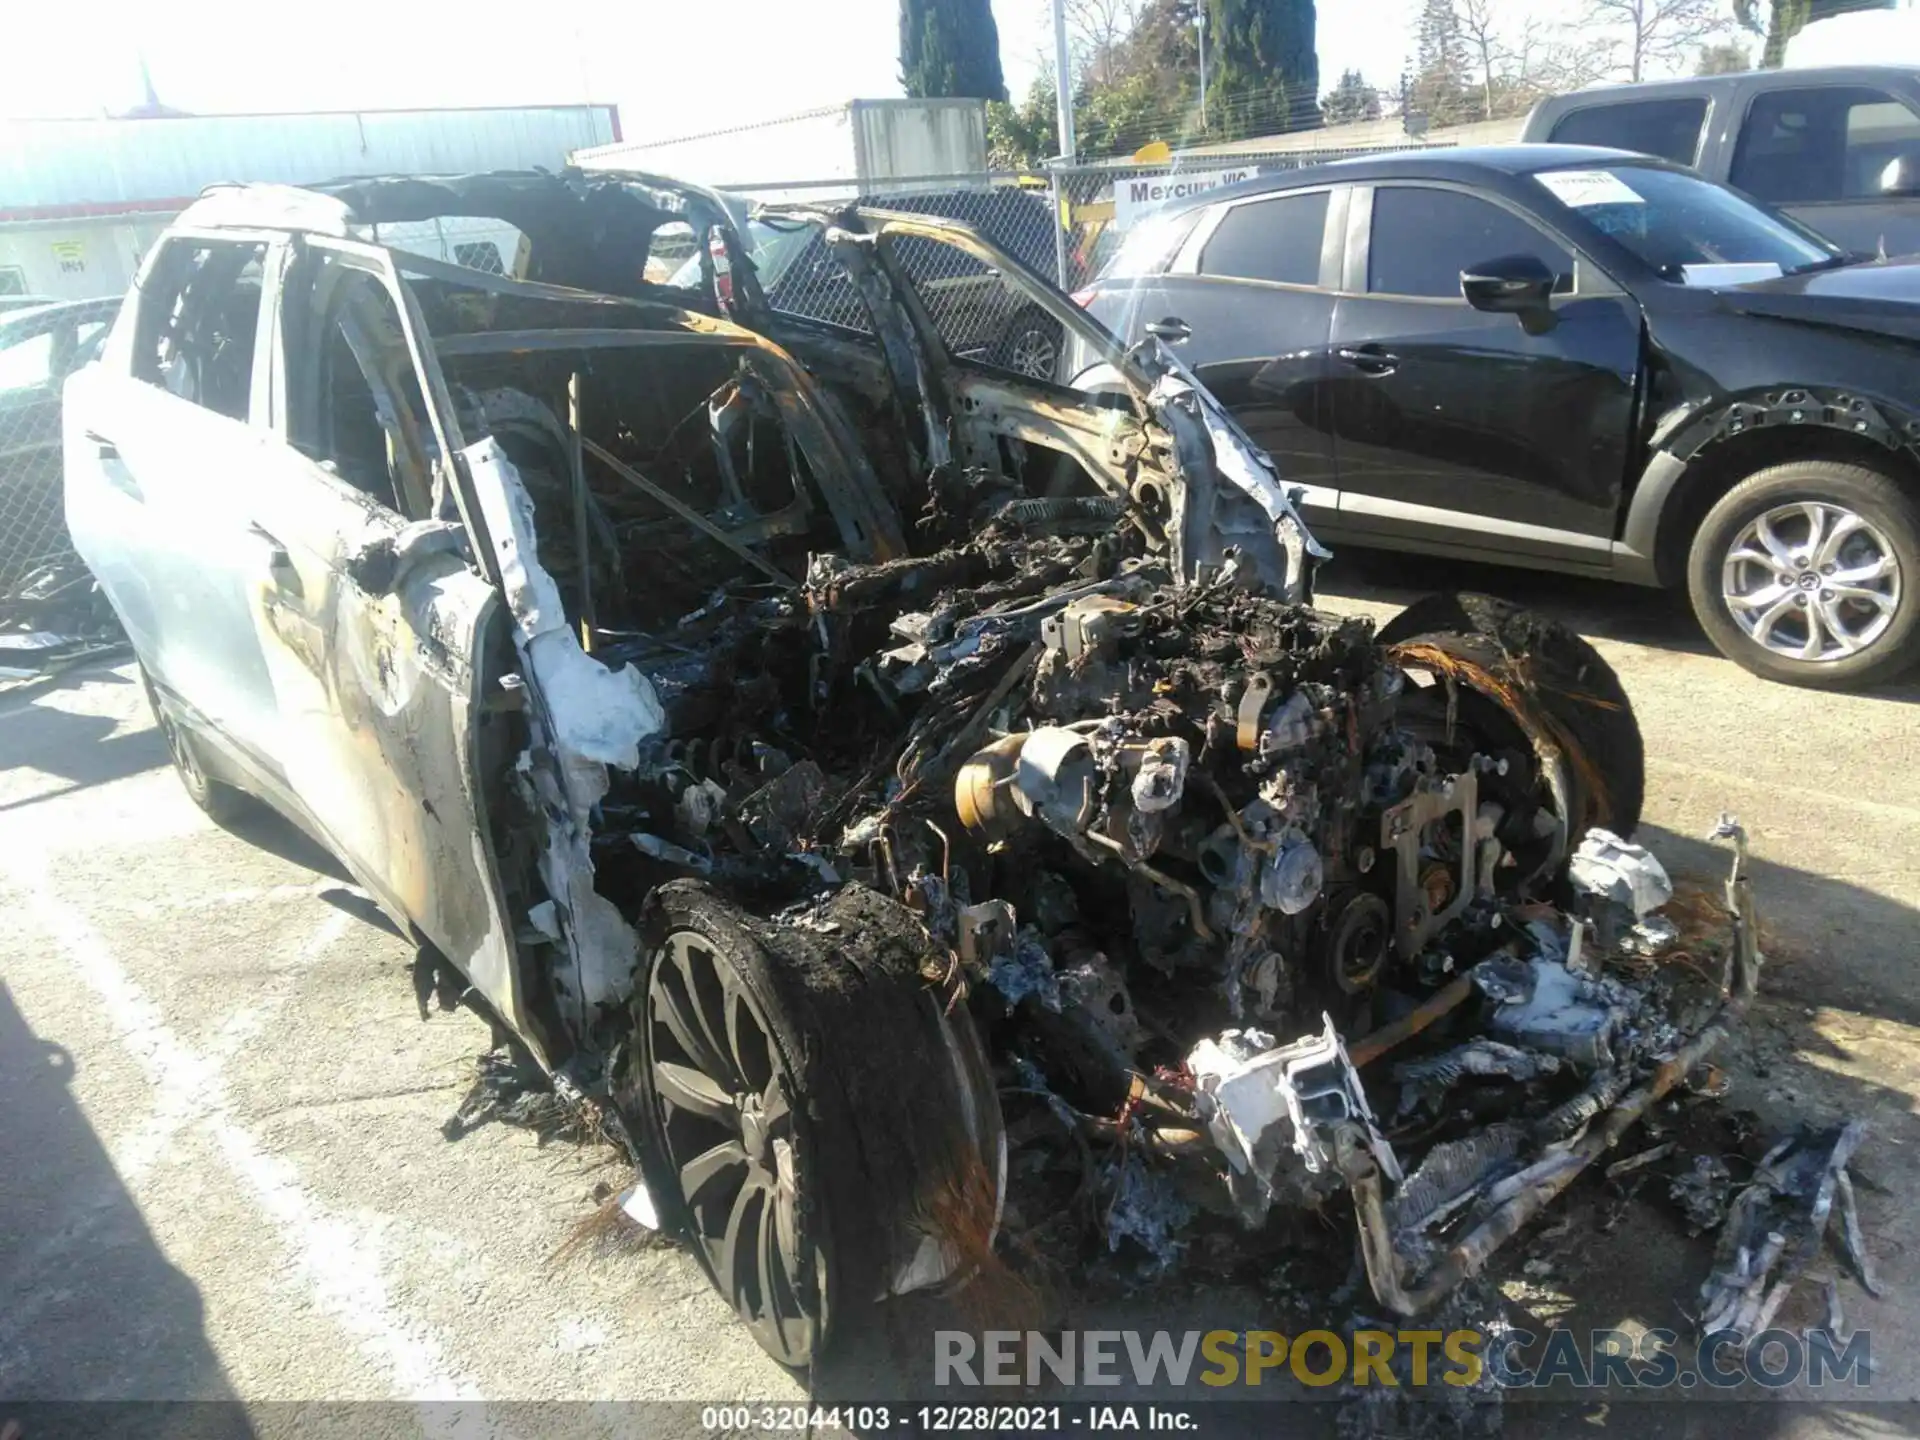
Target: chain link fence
x=39 y=348
x=1064 y=223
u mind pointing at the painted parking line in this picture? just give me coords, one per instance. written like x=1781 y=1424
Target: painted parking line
x=339 y=1265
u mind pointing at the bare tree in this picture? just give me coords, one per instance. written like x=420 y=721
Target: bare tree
x=1486 y=49
x=1096 y=32
x=1516 y=56
x=1656 y=32
x=1723 y=57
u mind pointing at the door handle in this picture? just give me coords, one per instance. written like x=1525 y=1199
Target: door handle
x=1172 y=329
x=1371 y=359
x=279 y=562
x=113 y=469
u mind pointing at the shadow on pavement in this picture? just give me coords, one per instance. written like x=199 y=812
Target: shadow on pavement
x=90 y=1310
x=267 y=829
x=82 y=750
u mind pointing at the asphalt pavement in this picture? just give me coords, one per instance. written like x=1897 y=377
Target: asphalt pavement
x=222 y=1174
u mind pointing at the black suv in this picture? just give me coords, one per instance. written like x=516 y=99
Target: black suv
x=1567 y=358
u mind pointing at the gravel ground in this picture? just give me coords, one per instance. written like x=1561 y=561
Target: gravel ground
x=222 y=1175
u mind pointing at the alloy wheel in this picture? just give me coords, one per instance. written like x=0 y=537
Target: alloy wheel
x=1811 y=581
x=725 y=1104
x=1033 y=353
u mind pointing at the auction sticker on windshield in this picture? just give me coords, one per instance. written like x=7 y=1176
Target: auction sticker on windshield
x=1582 y=189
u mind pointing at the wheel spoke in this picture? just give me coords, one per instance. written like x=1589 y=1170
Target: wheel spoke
x=1781 y=552
x=675 y=1007
x=709 y=1167
x=687 y=1089
x=1860 y=595
x=1765 y=597
x=746 y=1046
x=1846 y=525
x=776 y=1284
x=1816 y=516
x=775 y=1114
x=1815 y=645
x=1831 y=620
x=736 y=1257
x=702 y=985
x=1763 y=628
x=1747 y=555
x=1878 y=568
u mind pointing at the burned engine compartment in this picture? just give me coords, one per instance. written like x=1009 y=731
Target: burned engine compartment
x=1155 y=829
x=810 y=621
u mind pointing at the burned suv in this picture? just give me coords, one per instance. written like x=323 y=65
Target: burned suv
x=819 y=752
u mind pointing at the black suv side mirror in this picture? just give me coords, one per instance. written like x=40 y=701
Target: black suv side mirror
x=1901 y=178
x=1512 y=285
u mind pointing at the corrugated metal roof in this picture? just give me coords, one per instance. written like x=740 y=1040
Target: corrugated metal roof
x=50 y=168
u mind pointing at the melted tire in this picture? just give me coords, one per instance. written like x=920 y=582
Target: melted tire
x=885 y=1144
x=1562 y=682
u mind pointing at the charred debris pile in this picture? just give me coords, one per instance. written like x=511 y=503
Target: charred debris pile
x=1250 y=908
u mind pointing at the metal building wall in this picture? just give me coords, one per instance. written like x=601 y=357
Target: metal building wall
x=68 y=167
x=81 y=199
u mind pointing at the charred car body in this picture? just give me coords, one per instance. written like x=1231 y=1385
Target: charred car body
x=802 y=740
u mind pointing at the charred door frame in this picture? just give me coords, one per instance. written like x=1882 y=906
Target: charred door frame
x=402 y=627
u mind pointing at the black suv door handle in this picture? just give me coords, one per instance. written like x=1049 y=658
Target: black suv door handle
x=1372 y=359
x=1172 y=329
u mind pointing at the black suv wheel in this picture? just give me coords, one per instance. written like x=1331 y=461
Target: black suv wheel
x=1030 y=345
x=1807 y=573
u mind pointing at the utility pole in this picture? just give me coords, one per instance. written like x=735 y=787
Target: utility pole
x=1063 y=81
x=1200 y=22
x=1063 y=103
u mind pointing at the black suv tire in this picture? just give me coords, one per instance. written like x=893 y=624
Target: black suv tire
x=1030 y=345
x=1807 y=573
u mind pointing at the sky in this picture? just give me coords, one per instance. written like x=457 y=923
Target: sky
x=674 y=67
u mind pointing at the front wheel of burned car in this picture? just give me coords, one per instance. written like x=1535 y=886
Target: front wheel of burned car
x=1511 y=683
x=1806 y=573
x=816 y=1117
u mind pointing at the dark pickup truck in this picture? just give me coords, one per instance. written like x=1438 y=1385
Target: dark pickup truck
x=1820 y=143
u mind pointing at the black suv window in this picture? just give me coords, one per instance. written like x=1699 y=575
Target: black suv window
x=1667 y=128
x=1825 y=143
x=1423 y=239
x=1277 y=239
